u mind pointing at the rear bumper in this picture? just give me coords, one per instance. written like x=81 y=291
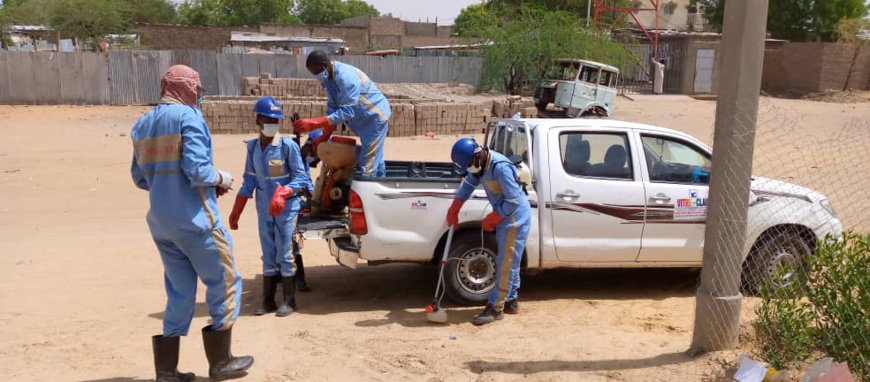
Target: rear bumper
x=344 y=251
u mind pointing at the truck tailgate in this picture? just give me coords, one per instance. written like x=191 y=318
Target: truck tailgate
x=321 y=227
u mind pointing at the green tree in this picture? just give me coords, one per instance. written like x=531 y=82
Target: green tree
x=796 y=20
x=237 y=12
x=474 y=19
x=329 y=12
x=89 y=19
x=491 y=11
x=31 y=12
x=524 y=47
x=151 y=11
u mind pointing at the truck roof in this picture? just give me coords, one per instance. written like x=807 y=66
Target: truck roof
x=549 y=123
x=588 y=62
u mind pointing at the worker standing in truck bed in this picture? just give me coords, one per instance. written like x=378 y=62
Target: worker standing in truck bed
x=353 y=99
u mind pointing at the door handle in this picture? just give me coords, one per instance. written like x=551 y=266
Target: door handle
x=660 y=198
x=568 y=195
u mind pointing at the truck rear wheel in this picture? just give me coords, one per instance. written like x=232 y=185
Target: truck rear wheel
x=469 y=275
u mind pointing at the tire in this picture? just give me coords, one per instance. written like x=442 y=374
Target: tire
x=787 y=249
x=469 y=275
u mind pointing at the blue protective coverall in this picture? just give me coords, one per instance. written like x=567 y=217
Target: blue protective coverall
x=356 y=100
x=508 y=200
x=279 y=164
x=173 y=161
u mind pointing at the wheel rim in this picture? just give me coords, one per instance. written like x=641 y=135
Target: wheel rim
x=783 y=266
x=476 y=271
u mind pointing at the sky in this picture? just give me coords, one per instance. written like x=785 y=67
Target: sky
x=414 y=10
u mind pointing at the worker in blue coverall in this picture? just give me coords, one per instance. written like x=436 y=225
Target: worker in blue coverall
x=511 y=219
x=275 y=170
x=309 y=157
x=354 y=99
x=172 y=160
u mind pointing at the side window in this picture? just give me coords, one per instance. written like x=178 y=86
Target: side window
x=597 y=155
x=589 y=74
x=669 y=160
x=606 y=78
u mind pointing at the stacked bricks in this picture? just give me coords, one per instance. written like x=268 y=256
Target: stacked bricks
x=235 y=115
x=508 y=107
x=450 y=118
x=402 y=120
x=265 y=85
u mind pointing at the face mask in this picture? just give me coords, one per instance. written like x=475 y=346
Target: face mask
x=473 y=169
x=198 y=101
x=270 y=129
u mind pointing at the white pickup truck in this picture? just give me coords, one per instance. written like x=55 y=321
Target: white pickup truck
x=604 y=193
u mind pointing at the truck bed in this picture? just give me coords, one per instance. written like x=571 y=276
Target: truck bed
x=323 y=227
x=417 y=171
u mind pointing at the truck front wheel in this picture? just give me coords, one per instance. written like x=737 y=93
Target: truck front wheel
x=469 y=275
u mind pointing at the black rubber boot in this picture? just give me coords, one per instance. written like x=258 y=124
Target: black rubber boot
x=301 y=285
x=288 y=287
x=512 y=307
x=270 y=283
x=222 y=365
x=488 y=315
x=166 y=360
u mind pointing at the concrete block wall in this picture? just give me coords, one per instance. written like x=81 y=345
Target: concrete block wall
x=815 y=67
x=421 y=29
x=838 y=62
x=182 y=37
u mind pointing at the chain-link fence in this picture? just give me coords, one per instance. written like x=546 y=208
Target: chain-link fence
x=808 y=267
x=802 y=280
x=804 y=273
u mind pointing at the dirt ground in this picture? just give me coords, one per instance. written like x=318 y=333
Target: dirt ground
x=83 y=287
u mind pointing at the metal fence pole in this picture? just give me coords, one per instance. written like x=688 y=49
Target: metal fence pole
x=717 y=315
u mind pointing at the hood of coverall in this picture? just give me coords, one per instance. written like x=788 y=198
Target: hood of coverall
x=181 y=83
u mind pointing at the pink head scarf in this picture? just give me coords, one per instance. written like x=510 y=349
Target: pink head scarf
x=181 y=83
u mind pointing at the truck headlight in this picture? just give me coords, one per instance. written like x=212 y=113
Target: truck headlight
x=826 y=204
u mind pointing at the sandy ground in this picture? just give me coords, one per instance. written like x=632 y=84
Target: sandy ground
x=83 y=289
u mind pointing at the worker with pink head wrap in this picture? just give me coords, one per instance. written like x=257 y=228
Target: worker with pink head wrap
x=172 y=160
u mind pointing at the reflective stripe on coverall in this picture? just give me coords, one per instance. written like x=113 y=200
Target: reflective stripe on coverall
x=356 y=100
x=173 y=161
x=509 y=201
x=280 y=164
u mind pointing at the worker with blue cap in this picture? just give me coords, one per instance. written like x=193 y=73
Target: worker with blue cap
x=172 y=160
x=511 y=219
x=353 y=99
x=274 y=169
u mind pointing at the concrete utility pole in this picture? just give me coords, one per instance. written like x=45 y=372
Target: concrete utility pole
x=717 y=314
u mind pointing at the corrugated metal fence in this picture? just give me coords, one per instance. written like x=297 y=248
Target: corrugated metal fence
x=133 y=77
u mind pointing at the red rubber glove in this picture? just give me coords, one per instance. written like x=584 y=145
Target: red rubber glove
x=278 y=199
x=490 y=221
x=305 y=125
x=453 y=213
x=327 y=132
x=238 y=207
